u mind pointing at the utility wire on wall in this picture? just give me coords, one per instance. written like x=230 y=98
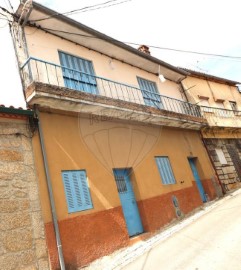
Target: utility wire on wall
x=234 y=58
x=151 y=46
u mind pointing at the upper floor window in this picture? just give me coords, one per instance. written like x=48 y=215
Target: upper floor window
x=221 y=156
x=220 y=104
x=221 y=111
x=233 y=105
x=150 y=93
x=165 y=170
x=78 y=73
x=204 y=101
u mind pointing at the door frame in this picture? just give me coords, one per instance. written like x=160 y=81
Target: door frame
x=130 y=195
x=197 y=178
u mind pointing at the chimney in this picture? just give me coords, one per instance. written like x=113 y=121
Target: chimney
x=144 y=49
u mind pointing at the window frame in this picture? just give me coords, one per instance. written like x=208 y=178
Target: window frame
x=221 y=156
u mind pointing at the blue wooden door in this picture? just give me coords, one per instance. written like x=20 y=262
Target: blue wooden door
x=128 y=202
x=197 y=179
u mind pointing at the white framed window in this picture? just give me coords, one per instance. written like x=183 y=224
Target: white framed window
x=220 y=104
x=221 y=156
x=233 y=105
x=205 y=104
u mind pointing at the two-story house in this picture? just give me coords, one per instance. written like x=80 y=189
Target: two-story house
x=118 y=152
x=220 y=102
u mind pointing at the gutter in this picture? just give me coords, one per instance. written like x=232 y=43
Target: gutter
x=16 y=111
x=51 y=197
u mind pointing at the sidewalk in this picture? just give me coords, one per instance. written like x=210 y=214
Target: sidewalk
x=123 y=257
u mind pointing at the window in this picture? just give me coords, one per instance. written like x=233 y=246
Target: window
x=221 y=156
x=150 y=93
x=220 y=104
x=78 y=73
x=165 y=170
x=221 y=111
x=204 y=102
x=76 y=191
x=233 y=105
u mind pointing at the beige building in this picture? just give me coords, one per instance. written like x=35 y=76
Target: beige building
x=118 y=152
x=220 y=102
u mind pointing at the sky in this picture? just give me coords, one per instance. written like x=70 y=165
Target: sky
x=206 y=26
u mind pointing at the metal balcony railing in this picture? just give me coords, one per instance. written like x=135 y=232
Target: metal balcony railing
x=219 y=112
x=36 y=70
x=221 y=117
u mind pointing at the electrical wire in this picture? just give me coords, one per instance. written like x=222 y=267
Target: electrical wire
x=11 y=6
x=186 y=51
x=88 y=8
x=151 y=46
x=103 y=7
x=7 y=11
x=8 y=3
x=84 y=9
x=100 y=5
x=5 y=17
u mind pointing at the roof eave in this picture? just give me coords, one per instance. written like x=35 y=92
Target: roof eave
x=109 y=39
x=211 y=77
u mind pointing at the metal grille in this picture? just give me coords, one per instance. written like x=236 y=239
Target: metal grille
x=121 y=184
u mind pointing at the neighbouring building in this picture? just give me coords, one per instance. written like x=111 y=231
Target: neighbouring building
x=220 y=102
x=118 y=152
x=22 y=234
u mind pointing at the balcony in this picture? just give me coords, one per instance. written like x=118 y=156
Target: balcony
x=217 y=117
x=49 y=84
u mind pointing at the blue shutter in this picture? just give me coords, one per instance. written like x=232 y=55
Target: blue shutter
x=165 y=170
x=150 y=93
x=78 y=74
x=76 y=191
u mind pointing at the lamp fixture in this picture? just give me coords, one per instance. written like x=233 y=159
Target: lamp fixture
x=161 y=77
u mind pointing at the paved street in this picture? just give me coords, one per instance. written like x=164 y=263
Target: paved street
x=212 y=242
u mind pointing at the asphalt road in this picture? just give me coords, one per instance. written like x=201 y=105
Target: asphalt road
x=212 y=242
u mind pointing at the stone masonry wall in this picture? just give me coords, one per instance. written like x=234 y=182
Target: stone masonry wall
x=22 y=236
x=228 y=174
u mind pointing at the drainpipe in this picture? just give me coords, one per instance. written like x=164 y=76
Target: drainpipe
x=183 y=90
x=51 y=197
x=219 y=181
